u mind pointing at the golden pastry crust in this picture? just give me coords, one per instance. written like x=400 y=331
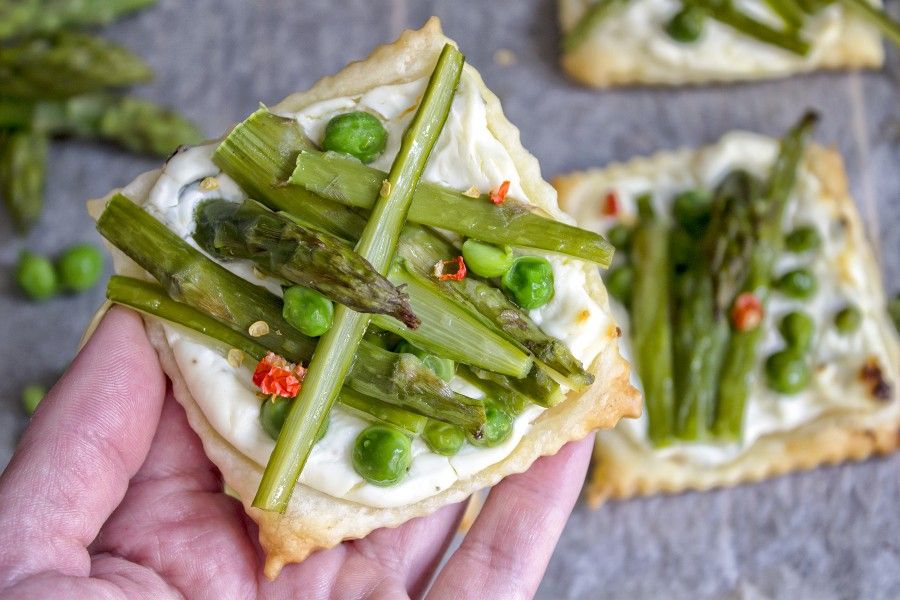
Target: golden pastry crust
x=597 y=63
x=314 y=520
x=625 y=466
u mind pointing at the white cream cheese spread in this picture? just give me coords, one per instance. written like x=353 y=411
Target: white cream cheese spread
x=466 y=154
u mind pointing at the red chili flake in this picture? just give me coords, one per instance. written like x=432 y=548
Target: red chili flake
x=499 y=195
x=747 y=312
x=276 y=376
x=460 y=273
x=611 y=204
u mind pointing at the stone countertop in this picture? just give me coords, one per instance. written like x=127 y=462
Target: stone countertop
x=830 y=533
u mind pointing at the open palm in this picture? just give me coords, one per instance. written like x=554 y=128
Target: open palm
x=111 y=495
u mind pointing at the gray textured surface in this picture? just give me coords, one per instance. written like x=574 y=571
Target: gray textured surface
x=832 y=533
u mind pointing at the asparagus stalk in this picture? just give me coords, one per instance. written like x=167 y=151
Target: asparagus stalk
x=789 y=11
x=191 y=278
x=877 y=17
x=23 y=158
x=650 y=320
x=725 y=13
x=260 y=152
x=589 y=21
x=151 y=299
x=538 y=386
x=135 y=124
x=512 y=400
x=422 y=248
x=514 y=223
x=67 y=64
x=450 y=329
x=739 y=366
x=281 y=247
x=19 y=18
x=377 y=244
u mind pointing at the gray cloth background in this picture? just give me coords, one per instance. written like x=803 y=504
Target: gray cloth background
x=831 y=533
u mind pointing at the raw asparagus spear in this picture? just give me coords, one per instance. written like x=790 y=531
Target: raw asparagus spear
x=151 y=299
x=67 y=64
x=190 y=277
x=650 y=320
x=589 y=21
x=229 y=230
x=135 y=124
x=739 y=366
x=450 y=329
x=377 y=244
x=514 y=223
x=19 y=18
x=23 y=158
x=422 y=248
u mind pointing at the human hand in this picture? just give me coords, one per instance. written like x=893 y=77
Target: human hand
x=110 y=494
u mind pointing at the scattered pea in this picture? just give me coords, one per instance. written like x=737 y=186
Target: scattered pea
x=273 y=412
x=619 y=235
x=497 y=427
x=529 y=282
x=36 y=277
x=618 y=283
x=691 y=209
x=443 y=438
x=848 y=319
x=80 y=267
x=442 y=367
x=487 y=260
x=382 y=455
x=799 y=283
x=356 y=133
x=797 y=329
x=686 y=25
x=803 y=239
x=787 y=372
x=31 y=397
x=307 y=310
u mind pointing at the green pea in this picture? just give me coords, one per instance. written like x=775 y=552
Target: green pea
x=497 y=427
x=848 y=319
x=619 y=235
x=686 y=25
x=442 y=367
x=36 y=277
x=382 y=455
x=797 y=329
x=80 y=267
x=32 y=396
x=487 y=260
x=691 y=209
x=529 y=282
x=787 y=372
x=273 y=412
x=618 y=283
x=443 y=438
x=356 y=133
x=799 y=283
x=803 y=239
x=307 y=310
x=894 y=310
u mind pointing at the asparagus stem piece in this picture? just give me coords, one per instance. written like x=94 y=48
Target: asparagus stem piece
x=734 y=18
x=589 y=21
x=23 y=161
x=789 y=11
x=190 y=277
x=650 y=320
x=151 y=299
x=422 y=248
x=514 y=223
x=877 y=17
x=377 y=244
x=19 y=18
x=229 y=230
x=450 y=329
x=135 y=124
x=537 y=385
x=739 y=366
x=512 y=400
x=262 y=151
x=67 y=64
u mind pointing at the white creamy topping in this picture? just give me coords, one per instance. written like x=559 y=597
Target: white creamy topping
x=634 y=34
x=466 y=154
x=835 y=358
